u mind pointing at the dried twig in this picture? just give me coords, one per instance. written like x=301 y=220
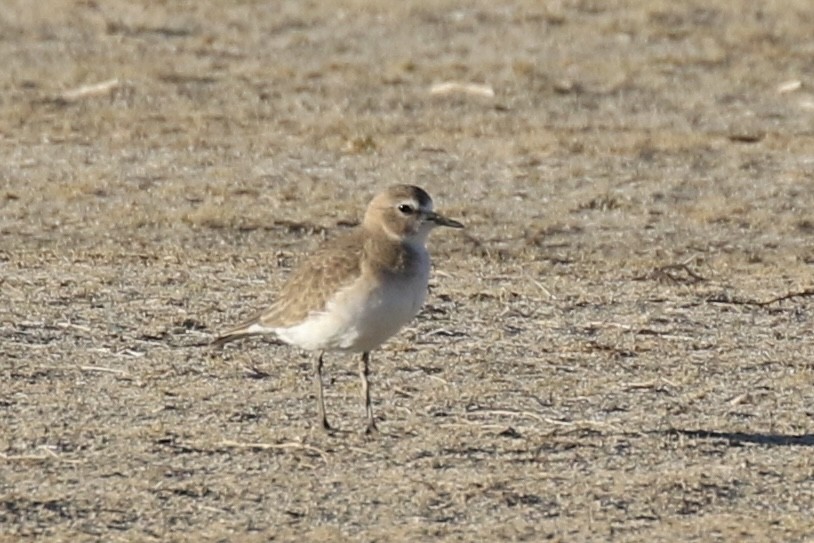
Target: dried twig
x=788 y=296
x=66 y=325
x=540 y=418
x=272 y=446
x=457 y=87
x=49 y=455
x=507 y=413
x=655 y=384
x=723 y=299
x=663 y=273
x=102 y=369
x=88 y=91
x=24 y=457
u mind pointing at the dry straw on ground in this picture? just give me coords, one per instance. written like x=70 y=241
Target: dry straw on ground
x=618 y=347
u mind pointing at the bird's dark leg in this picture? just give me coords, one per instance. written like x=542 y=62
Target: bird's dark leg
x=364 y=372
x=320 y=401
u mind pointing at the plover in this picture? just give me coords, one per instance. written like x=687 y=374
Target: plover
x=357 y=290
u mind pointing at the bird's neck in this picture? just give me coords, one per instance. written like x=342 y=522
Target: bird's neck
x=398 y=256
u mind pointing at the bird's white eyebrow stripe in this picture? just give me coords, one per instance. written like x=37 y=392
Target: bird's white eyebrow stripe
x=420 y=206
x=424 y=205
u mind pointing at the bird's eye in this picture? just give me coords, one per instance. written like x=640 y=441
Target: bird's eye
x=407 y=209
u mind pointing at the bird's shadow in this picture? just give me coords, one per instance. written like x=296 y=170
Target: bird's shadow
x=740 y=438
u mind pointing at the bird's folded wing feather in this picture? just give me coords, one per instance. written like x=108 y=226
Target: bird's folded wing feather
x=309 y=288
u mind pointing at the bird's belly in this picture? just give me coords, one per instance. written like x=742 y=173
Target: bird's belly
x=360 y=319
x=386 y=312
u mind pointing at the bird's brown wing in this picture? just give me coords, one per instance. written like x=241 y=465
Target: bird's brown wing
x=309 y=287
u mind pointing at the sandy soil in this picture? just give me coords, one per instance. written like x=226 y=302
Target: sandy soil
x=602 y=356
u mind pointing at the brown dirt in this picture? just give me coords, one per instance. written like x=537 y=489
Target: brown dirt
x=593 y=362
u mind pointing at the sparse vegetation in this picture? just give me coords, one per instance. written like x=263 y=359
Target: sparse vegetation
x=619 y=346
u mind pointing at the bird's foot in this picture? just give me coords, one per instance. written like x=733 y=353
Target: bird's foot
x=371 y=428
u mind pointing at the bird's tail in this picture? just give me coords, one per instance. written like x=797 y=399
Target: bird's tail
x=238 y=332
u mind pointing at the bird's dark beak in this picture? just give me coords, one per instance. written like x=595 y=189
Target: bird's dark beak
x=440 y=220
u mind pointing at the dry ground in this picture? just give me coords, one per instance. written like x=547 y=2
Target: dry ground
x=595 y=361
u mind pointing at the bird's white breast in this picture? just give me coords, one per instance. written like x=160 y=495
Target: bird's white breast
x=364 y=314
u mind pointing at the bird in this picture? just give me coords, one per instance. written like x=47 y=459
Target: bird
x=357 y=290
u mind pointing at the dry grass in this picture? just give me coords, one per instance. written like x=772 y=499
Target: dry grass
x=617 y=347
